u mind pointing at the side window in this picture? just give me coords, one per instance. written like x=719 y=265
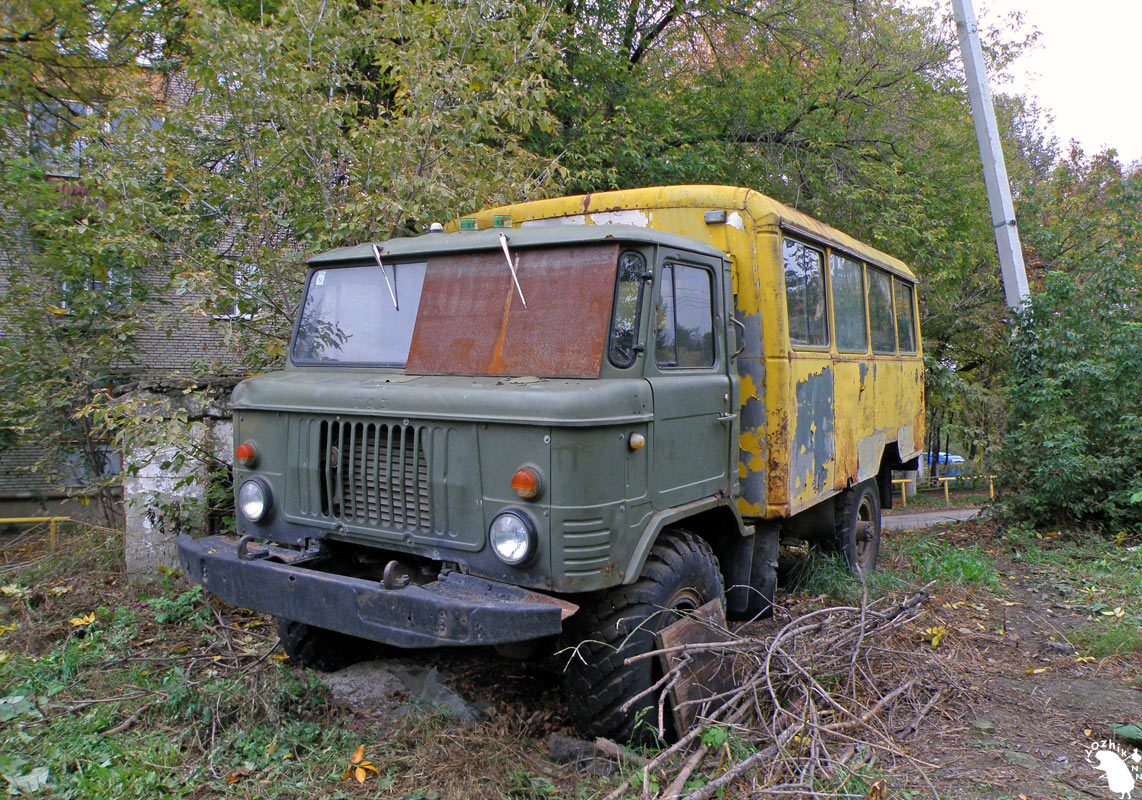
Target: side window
x=628 y=303
x=905 y=327
x=805 y=294
x=849 y=316
x=880 y=311
x=684 y=318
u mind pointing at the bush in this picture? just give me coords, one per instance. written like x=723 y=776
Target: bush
x=1073 y=450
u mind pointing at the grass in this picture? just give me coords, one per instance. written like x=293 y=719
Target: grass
x=1096 y=575
x=906 y=562
x=126 y=690
x=1103 y=639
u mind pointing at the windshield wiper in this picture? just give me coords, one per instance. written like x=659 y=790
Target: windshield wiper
x=512 y=267
x=390 y=284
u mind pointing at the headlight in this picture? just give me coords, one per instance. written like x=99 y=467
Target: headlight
x=254 y=500
x=512 y=536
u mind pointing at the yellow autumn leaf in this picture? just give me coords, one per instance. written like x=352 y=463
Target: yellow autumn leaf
x=4 y=656
x=934 y=635
x=1038 y=670
x=1084 y=659
x=81 y=621
x=58 y=590
x=359 y=775
x=358 y=754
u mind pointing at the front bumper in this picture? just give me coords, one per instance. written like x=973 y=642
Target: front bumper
x=455 y=609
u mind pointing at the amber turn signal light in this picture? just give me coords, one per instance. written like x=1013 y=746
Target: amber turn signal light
x=525 y=483
x=246 y=455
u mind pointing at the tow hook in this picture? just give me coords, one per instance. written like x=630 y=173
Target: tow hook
x=395 y=576
x=244 y=554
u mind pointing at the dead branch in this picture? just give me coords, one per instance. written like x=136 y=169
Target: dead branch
x=831 y=680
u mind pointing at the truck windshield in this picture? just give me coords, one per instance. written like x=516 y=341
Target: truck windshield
x=461 y=314
x=349 y=316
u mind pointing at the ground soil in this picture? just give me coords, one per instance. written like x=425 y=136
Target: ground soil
x=1026 y=714
x=1031 y=709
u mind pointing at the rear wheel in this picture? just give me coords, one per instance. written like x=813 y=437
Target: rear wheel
x=857 y=531
x=321 y=649
x=681 y=574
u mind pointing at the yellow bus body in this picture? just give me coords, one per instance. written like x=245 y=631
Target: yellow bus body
x=814 y=421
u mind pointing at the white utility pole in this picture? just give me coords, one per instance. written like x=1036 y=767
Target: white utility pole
x=991 y=152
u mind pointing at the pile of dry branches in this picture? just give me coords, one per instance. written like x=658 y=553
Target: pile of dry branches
x=809 y=705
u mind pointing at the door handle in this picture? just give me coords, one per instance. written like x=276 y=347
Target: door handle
x=726 y=417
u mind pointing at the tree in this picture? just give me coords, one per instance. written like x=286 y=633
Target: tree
x=1073 y=446
x=216 y=150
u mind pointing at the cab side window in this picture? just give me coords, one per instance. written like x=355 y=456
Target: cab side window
x=805 y=294
x=684 y=318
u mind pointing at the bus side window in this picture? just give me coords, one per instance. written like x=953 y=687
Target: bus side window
x=905 y=325
x=805 y=294
x=850 y=322
x=880 y=314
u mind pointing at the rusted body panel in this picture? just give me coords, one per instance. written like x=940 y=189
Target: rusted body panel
x=813 y=421
x=467 y=323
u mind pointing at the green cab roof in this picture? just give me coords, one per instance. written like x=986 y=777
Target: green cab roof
x=435 y=244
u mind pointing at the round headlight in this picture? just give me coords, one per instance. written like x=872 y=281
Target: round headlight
x=512 y=537
x=254 y=500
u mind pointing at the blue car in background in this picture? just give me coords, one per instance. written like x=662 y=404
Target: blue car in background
x=951 y=463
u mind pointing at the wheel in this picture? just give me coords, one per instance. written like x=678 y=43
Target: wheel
x=857 y=526
x=763 y=575
x=681 y=574
x=321 y=649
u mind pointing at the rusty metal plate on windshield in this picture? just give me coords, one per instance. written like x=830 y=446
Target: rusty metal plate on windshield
x=472 y=322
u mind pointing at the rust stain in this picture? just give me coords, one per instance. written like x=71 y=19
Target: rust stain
x=496 y=365
x=586 y=202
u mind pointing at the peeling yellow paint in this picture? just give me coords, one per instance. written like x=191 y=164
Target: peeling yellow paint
x=750 y=442
x=748 y=389
x=748 y=509
x=871 y=394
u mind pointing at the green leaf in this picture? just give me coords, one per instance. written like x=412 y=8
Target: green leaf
x=715 y=736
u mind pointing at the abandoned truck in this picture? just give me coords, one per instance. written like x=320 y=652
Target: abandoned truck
x=563 y=417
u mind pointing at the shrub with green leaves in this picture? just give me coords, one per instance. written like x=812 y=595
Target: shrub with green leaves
x=1073 y=449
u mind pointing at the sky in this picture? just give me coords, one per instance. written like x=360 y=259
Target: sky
x=1086 y=68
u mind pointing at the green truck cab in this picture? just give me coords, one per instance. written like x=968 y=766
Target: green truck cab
x=508 y=436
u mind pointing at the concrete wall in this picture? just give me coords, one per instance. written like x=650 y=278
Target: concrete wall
x=162 y=503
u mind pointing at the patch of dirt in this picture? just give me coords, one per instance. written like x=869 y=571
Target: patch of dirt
x=1026 y=713
x=1035 y=707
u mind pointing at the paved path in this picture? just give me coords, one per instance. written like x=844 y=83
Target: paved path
x=926 y=519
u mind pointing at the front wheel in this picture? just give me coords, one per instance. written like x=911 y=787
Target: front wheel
x=681 y=574
x=857 y=526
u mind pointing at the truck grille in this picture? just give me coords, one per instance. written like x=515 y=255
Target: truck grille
x=374 y=474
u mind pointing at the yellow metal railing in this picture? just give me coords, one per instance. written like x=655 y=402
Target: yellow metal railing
x=52 y=523
x=903 y=490
x=947 y=481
